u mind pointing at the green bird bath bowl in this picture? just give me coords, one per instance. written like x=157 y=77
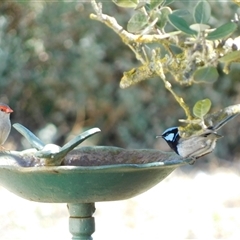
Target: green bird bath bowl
x=92 y=175
x=69 y=184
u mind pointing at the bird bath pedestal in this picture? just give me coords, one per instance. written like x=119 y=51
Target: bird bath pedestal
x=81 y=222
x=92 y=175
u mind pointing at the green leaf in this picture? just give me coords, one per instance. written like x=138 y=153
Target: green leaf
x=202 y=12
x=199 y=27
x=167 y=2
x=202 y=107
x=155 y=3
x=223 y=31
x=206 y=74
x=126 y=3
x=231 y=57
x=137 y=22
x=162 y=16
x=184 y=14
x=180 y=24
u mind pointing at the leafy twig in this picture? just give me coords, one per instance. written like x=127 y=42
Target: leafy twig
x=148 y=69
x=133 y=41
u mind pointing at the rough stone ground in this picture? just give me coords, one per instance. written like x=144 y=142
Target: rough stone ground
x=197 y=205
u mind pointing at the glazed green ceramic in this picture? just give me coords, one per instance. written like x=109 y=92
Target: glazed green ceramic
x=74 y=184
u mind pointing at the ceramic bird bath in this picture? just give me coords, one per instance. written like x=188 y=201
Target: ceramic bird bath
x=81 y=186
x=80 y=177
x=86 y=175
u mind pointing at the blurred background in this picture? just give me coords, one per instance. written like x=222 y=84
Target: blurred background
x=60 y=73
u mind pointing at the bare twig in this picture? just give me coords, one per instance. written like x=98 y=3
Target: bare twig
x=159 y=70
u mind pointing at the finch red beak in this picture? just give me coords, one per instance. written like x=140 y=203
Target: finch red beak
x=9 y=110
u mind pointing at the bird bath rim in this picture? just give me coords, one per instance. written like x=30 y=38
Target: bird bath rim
x=169 y=163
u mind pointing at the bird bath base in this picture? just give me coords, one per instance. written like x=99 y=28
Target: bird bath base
x=81 y=222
